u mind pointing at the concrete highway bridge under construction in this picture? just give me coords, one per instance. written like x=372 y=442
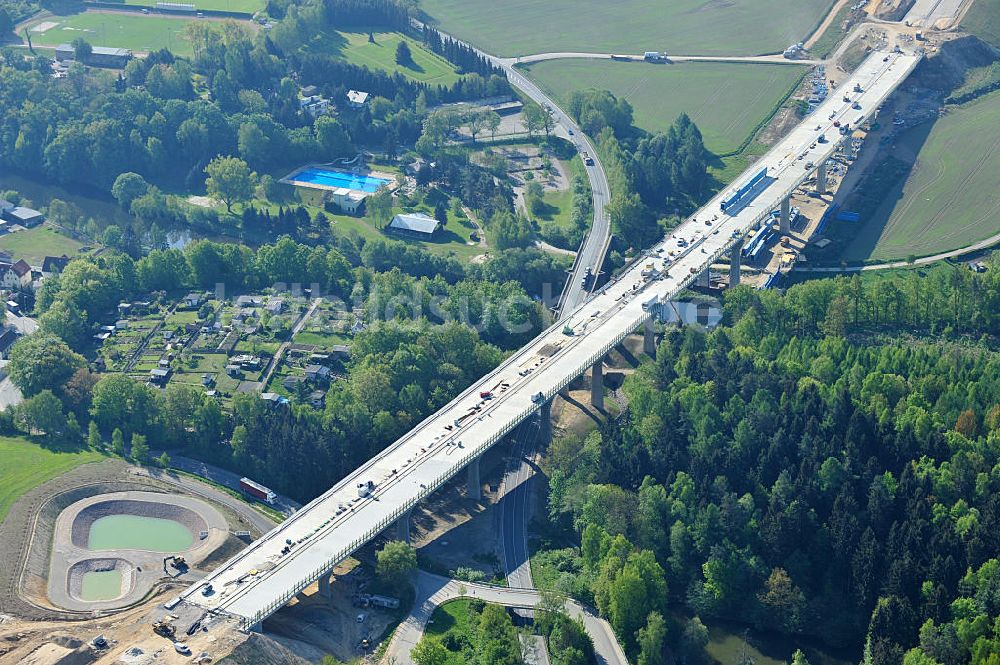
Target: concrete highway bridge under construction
x=381 y=493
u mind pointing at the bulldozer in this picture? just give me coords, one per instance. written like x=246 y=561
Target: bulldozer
x=164 y=629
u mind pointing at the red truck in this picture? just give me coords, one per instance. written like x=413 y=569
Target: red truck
x=257 y=491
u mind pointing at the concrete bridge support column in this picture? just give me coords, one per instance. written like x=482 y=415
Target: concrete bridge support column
x=324 y=585
x=403 y=526
x=705 y=278
x=649 y=338
x=474 y=489
x=597 y=385
x=821 y=178
x=545 y=423
x=785 y=218
x=735 y=261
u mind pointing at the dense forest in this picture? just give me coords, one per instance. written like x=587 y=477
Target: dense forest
x=655 y=178
x=823 y=465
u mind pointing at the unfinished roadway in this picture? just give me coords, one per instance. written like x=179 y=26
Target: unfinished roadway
x=381 y=493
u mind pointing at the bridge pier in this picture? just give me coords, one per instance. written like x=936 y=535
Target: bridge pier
x=785 y=225
x=704 y=279
x=597 y=385
x=545 y=423
x=403 y=526
x=649 y=338
x=735 y=261
x=821 y=178
x=474 y=488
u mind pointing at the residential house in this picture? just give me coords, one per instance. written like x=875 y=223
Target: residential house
x=357 y=99
x=8 y=336
x=415 y=225
x=5 y=207
x=15 y=276
x=275 y=305
x=193 y=300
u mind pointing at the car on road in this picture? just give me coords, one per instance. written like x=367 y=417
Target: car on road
x=182 y=648
x=361 y=617
x=571 y=132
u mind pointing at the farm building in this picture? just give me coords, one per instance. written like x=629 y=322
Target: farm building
x=26 y=217
x=414 y=225
x=100 y=56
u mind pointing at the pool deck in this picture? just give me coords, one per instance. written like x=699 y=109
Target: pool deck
x=141 y=569
x=290 y=179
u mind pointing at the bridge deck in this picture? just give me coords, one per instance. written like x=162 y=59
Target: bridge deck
x=261 y=579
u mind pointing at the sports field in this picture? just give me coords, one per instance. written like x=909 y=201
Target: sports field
x=137 y=32
x=681 y=27
x=25 y=465
x=726 y=101
x=949 y=199
x=246 y=6
x=354 y=47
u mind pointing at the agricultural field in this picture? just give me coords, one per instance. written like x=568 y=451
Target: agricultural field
x=682 y=27
x=141 y=33
x=25 y=465
x=354 y=47
x=33 y=245
x=981 y=20
x=948 y=199
x=727 y=101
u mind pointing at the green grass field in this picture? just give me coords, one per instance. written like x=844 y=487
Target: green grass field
x=246 y=6
x=726 y=100
x=139 y=32
x=33 y=245
x=949 y=199
x=683 y=27
x=981 y=20
x=354 y=47
x=25 y=465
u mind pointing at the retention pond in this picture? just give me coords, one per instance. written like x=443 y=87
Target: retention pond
x=134 y=532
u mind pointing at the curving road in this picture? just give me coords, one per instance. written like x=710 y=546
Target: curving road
x=595 y=245
x=434 y=590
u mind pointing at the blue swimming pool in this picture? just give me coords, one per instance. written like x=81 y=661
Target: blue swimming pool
x=317 y=175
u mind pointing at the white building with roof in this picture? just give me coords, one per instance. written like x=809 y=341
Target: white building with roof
x=351 y=201
x=357 y=98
